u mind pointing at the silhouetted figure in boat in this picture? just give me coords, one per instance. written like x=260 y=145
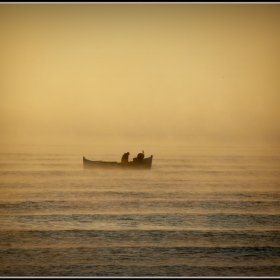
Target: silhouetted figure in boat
x=125 y=157
x=139 y=158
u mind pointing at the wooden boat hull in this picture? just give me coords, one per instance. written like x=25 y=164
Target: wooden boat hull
x=90 y=164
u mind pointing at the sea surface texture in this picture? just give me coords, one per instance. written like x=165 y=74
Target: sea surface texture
x=200 y=211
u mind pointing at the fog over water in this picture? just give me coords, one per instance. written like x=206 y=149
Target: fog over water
x=195 y=85
x=139 y=74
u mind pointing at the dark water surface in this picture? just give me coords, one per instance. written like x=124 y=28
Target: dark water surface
x=207 y=211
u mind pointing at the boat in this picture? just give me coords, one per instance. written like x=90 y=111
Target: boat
x=91 y=164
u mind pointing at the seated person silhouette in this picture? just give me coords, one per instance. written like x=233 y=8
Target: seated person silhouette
x=139 y=158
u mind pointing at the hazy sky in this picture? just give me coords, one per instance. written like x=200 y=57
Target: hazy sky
x=80 y=73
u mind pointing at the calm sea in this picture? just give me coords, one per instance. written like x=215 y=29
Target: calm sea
x=200 y=211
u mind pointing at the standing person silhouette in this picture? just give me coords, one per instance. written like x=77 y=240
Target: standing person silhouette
x=125 y=157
